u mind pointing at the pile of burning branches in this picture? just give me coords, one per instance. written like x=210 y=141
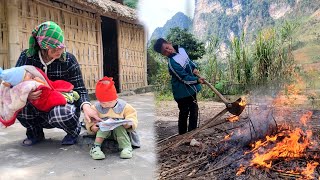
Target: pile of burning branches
x=291 y=152
x=262 y=143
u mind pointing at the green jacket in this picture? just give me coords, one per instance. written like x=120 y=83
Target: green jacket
x=184 y=82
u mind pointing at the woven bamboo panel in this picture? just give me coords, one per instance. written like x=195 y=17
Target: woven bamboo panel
x=82 y=39
x=81 y=29
x=132 y=58
x=4 y=59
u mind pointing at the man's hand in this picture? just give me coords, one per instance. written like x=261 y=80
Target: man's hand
x=90 y=114
x=201 y=80
x=196 y=72
x=34 y=95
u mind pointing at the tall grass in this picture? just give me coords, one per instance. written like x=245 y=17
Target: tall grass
x=240 y=60
x=209 y=67
x=273 y=55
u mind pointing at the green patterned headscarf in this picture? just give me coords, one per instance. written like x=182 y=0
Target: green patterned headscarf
x=47 y=34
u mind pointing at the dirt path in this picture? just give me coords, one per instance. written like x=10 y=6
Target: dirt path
x=167 y=113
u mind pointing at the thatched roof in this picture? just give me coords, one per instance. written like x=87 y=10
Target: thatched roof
x=110 y=8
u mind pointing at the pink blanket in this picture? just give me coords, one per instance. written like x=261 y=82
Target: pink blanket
x=13 y=99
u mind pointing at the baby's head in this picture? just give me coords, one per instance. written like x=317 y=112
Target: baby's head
x=106 y=92
x=13 y=76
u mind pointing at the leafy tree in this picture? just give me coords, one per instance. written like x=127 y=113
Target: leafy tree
x=182 y=37
x=131 y=3
x=153 y=63
x=152 y=67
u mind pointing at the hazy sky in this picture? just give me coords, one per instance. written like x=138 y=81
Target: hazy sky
x=155 y=13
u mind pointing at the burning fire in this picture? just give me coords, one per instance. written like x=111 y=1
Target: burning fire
x=233 y=118
x=293 y=89
x=305 y=117
x=242 y=102
x=290 y=144
x=292 y=94
x=241 y=170
x=310 y=169
x=227 y=137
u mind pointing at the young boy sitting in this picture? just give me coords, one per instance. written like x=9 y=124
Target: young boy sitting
x=110 y=107
x=185 y=84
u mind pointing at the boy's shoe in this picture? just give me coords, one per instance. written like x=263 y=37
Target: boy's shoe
x=126 y=153
x=96 y=153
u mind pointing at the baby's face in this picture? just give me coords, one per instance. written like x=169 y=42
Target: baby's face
x=108 y=104
x=28 y=76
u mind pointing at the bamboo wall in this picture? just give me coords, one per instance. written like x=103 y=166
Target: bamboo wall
x=82 y=37
x=82 y=33
x=4 y=59
x=132 y=56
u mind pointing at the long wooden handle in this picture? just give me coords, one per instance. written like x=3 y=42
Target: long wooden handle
x=190 y=134
x=215 y=90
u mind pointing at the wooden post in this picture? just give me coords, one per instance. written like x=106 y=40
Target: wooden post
x=13 y=31
x=4 y=54
x=145 y=56
x=119 y=55
x=100 y=50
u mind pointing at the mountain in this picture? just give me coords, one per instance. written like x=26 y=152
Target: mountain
x=178 y=20
x=228 y=18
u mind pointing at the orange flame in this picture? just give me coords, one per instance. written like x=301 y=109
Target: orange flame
x=259 y=143
x=310 y=169
x=240 y=170
x=242 y=102
x=233 y=118
x=305 y=117
x=227 y=137
x=292 y=146
x=291 y=95
x=293 y=89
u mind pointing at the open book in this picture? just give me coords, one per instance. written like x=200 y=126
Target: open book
x=110 y=124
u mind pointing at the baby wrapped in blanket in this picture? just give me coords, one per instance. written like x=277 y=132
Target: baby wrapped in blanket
x=18 y=82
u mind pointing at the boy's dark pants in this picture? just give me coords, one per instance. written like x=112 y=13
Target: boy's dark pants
x=187 y=105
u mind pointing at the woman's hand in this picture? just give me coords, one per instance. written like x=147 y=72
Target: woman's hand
x=90 y=114
x=94 y=128
x=127 y=126
x=34 y=95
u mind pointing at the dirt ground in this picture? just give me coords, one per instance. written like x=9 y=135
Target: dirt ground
x=167 y=116
x=187 y=161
